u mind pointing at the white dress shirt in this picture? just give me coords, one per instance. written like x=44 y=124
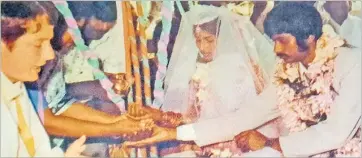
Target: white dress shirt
x=110 y=50
x=11 y=143
x=340 y=126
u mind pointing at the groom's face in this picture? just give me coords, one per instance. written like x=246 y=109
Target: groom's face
x=286 y=48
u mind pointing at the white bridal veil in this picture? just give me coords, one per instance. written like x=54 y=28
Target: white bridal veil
x=238 y=43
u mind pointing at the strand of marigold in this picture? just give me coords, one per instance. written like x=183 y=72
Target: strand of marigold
x=142 y=20
x=127 y=44
x=134 y=56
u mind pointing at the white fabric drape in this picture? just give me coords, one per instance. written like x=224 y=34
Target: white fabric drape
x=232 y=77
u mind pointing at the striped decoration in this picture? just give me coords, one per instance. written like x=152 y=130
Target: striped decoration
x=167 y=14
x=142 y=20
x=74 y=31
x=133 y=49
x=127 y=44
x=180 y=8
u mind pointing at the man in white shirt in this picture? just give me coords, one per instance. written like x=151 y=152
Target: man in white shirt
x=26 y=32
x=107 y=44
x=327 y=135
x=337 y=15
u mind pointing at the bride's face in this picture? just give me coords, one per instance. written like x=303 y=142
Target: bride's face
x=206 y=42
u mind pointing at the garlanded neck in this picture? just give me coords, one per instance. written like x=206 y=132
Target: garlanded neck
x=311 y=55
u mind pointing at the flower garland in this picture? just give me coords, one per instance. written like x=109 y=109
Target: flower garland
x=306 y=94
x=199 y=81
x=167 y=12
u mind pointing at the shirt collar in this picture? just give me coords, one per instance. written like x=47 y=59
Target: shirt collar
x=9 y=90
x=104 y=39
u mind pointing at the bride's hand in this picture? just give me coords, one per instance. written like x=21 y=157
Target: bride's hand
x=171 y=120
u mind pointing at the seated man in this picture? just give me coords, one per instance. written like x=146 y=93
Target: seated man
x=26 y=31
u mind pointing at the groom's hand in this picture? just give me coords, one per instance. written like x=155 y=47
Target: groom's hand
x=160 y=134
x=250 y=140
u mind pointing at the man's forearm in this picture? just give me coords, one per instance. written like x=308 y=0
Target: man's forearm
x=65 y=126
x=83 y=112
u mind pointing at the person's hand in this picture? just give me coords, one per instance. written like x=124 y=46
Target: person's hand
x=153 y=113
x=136 y=129
x=137 y=112
x=121 y=84
x=171 y=120
x=250 y=140
x=164 y=119
x=76 y=148
x=160 y=134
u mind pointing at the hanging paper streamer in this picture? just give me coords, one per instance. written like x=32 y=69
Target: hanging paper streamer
x=73 y=29
x=180 y=8
x=142 y=19
x=167 y=14
x=130 y=39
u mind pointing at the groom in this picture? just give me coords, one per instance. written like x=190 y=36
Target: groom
x=296 y=30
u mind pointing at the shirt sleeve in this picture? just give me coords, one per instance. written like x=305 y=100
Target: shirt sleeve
x=185 y=133
x=259 y=111
x=56 y=94
x=340 y=126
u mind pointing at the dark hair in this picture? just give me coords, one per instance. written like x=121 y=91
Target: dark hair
x=59 y=30
x=102 y=10
x=211 y=27
x=305 y=2
x=298 y=19
x=14 y=14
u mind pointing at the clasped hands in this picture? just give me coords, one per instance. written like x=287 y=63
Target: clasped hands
x=254 y=140
x=154 y=125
